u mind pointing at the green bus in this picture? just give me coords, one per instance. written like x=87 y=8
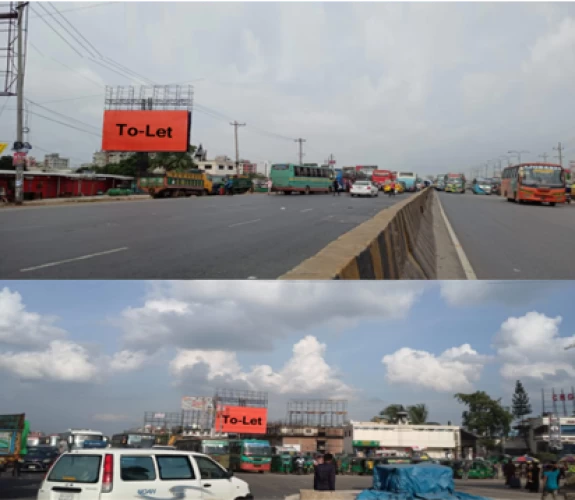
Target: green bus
x=309 y=178
x=217 y=449
x=250 y=455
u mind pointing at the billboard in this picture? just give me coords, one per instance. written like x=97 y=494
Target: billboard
x=146 y=131
x=200 y=403
x=241 y=420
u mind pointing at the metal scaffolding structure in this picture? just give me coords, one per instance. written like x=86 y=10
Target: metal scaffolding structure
x=176 y=422
x=156 y=97
x=234 y=397
x=316 y=412
x=9 y=46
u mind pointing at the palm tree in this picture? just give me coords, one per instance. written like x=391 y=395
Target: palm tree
x=174 y=161
x=390 y=412
x=417 y=414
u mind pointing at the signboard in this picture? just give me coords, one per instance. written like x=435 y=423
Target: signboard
x=3 y=146
x=159 y=415
x=146 y=131
x=555 y=432
x=12 y=422
x=563 y=397
x=241 y=420
x=18 y=158
x=366 y=444
x=190 y=403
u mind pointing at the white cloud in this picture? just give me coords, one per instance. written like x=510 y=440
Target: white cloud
x=305 y=373
x=126 y=361
x=454 y=370
x=530 y=347
x=249 y=315
x=62 y=361
x=18 y=326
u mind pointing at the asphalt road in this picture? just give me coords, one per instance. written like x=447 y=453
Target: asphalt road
x=277 y=486
x=237 y=237
x=505 y=240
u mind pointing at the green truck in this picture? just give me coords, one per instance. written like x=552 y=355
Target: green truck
x=14 y=430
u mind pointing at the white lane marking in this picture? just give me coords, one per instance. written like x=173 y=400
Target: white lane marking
x=467 y=269
x=65 y=261
x=306 y=210
x=246 y=222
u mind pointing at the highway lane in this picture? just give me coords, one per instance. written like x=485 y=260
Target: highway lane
x=505 y=240
x=237 y=237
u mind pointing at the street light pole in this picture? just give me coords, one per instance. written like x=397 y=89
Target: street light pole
x=518 y=154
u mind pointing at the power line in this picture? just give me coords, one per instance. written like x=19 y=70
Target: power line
x=98 y=4
x=57 y=33
x=73 y=99
x=64 y=124
x=62 y=115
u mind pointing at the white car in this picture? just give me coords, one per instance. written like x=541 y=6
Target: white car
x=126 y=474
x=364 y=188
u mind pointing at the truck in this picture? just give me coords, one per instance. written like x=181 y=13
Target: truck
x=173 y=184
x=14 y=431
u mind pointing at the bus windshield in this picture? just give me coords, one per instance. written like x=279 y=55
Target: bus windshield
x=141 y=441
x=258 y=450
x=541 y=176
x=406 y=174
x=215 y=449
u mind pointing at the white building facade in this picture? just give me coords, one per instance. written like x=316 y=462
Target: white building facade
x=369 y=438
x=53 y=161
x=103 y=158
x=220 y=165
x=539 y=434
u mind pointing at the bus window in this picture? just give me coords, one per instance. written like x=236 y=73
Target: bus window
x=297 y=171
x=280 y=167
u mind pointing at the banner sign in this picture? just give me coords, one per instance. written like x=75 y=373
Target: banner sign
x=241 y=420
x=555 y=432
x=563 y=397
x=146 y=131
x=190 y=403
x=3 y=146
x=366 y=444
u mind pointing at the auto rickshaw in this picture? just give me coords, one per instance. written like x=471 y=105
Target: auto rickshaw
x=309 y=464
x=399 y=187
x=367 y=465
x=344 y=465
x=355 y=465
x=276 y=465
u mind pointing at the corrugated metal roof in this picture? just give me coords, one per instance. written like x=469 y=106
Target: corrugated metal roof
x=63 y=174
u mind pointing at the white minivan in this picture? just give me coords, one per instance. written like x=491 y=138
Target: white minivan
x=125 y=474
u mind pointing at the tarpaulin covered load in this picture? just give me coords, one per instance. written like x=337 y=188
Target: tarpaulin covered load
x=414 y=482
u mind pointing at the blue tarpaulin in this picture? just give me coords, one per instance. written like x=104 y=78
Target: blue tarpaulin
x=414 y=482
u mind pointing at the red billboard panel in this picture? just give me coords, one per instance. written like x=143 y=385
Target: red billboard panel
x=242 y=420
x=146 y=131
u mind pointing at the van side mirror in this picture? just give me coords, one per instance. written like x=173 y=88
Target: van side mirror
x=230 y=473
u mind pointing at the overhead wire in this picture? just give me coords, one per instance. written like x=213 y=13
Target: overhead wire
x=97 y=4
x=62 y=115
x=57 y=33
x=64 y=124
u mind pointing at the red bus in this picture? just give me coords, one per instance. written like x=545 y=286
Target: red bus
x=380 y=177
x=534 y=182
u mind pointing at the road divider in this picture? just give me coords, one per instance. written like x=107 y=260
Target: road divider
x=398 y=243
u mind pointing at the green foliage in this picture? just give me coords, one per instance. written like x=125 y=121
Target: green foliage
x=178 y=162
x=485 y=417
x=418 y=414
x=390 y=412
x=521 y=404
x=545 y=457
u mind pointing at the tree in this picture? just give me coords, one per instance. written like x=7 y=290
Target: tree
x=521 y=408
x=174 y=161
x=417 y=414
x=6 y=163
x=390 y=412
x=485 y=417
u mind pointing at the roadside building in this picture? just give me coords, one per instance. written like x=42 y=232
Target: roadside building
x=372 y=438
x=539 y=434
x=305 y=439
x=220 y=165
x=54 y=162
x=102 y=158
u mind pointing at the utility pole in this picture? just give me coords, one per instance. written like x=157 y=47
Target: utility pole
x=544 y=156
x=19 y=187
x=559 y=149
x=301 y=141
x=235 y=124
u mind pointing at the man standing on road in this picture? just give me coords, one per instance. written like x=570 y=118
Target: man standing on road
x=324 y=476
x=466 y=468
x=551 y=482
x=335 y=187
x=270 y=185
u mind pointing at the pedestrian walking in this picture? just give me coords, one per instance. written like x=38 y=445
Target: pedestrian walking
x=536 y=476
x=509 y=472
x=270 y=185
x=335 y=187
x=529 y=477
x=324 y=475
x=550 y=481
x=466 y=468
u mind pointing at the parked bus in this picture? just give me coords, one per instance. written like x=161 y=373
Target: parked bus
x=409 y=179
x=288 y=178
x=534 y=182
x=380 y=177
x=250 y=455
x=74 y=438
x=133 y=440
x=217 y=449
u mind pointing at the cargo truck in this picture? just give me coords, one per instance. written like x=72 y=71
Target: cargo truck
x=14 y=431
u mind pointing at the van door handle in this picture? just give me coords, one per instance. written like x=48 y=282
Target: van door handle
x=207 y=485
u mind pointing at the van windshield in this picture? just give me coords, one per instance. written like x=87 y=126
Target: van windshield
x=76 y=469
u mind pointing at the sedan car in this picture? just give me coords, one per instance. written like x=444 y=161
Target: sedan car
x=364 y=188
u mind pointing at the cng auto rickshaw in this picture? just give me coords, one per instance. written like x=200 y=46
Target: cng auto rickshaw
x=281 y=463
x=355 y=465
x=344 y=465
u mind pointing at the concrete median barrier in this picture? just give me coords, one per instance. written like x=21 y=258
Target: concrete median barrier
x=398 y=243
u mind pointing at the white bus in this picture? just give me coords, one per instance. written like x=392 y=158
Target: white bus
x=74 y=439
x=409 y=179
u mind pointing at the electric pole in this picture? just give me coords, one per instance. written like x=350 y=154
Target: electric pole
x=301 y=141
x=544 y=156
x=559 y=149
x=19 y=184
x=236 y=125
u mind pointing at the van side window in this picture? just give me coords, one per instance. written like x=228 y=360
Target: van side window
x=210 y=469
x=175 y=467
x=137 y=468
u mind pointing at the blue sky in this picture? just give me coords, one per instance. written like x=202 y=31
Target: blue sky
x=99 y=354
